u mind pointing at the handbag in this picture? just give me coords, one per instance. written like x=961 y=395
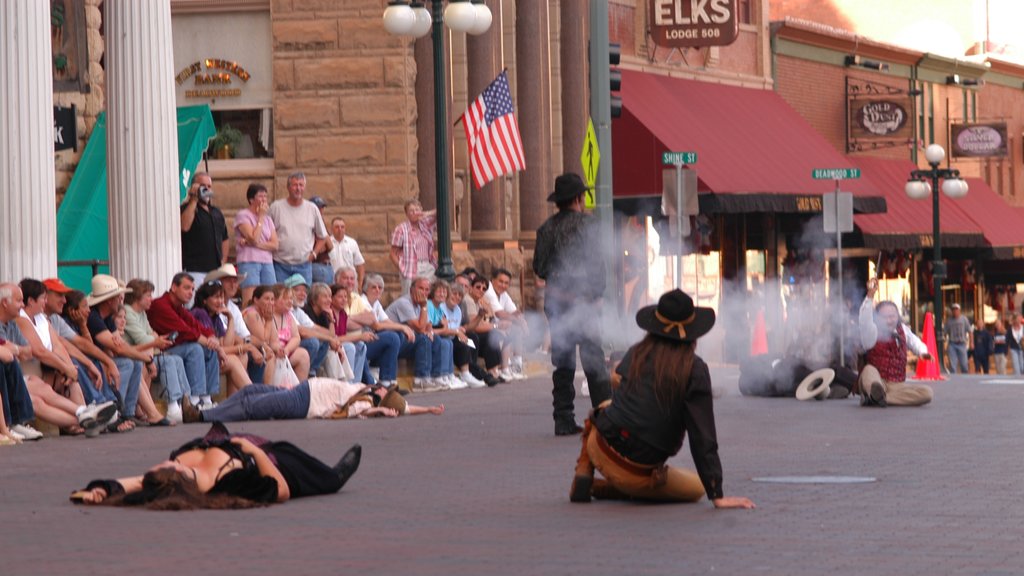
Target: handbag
x=284 y=374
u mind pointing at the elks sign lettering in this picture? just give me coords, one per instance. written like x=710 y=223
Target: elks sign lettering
x=686 y=23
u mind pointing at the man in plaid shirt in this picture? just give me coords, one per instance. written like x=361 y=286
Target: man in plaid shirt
x=412 y=244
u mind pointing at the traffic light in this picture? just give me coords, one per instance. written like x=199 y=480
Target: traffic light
x=615 y=78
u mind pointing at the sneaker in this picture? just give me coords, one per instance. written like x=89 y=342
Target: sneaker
x=506 y=375
x=471 y=381
x=27 y=432
x=206 y=403
x=174 y=413
x=442 y=382
x=455 y=383
x=96 y=415
x=425 y=384
x=585 y=389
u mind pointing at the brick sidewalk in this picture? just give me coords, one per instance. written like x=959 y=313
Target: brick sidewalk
x=483 y=490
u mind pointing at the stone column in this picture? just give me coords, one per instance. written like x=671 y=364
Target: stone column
x=142 y=142
x=28 y=209
x=485 y=61
x=575 y=97
x=533 y=99
x=425 y=171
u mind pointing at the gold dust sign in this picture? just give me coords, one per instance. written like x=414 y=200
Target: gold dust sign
x=212 y=78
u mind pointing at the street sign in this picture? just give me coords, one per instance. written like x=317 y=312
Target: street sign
x=590 y=159
x=671 y=158
x=835 y=173
x=842 y=213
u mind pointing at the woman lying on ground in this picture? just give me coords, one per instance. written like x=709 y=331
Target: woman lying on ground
x=665 y=393
x=224 y=470
x=211 y=310
x=314 y=398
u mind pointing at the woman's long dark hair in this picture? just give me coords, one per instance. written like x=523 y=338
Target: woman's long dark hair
x=669 y=361
x=169 y=489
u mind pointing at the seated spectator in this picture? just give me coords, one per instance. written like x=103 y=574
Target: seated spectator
x=314 y=398
x=231 y=279
x=146 y=411
x=316 y=341
x=353 y=342
x=432 y=353
x=272 y=326
x=168 y=368
x=489 y=341
x=455 y=318
x=193 y=342
x=211 y=312
x=452 y=330
x=382 y=352
x=255 y=242
x=48 y=352
x=509 y=321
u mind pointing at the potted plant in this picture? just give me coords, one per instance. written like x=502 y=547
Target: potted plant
x=225 y=141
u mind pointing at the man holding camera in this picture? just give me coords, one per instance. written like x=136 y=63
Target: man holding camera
x=204 y=232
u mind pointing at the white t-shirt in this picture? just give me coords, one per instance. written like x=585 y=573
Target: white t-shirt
x=42 y=326
x=346 y=254
x=327 y=395
x=297 y=230
x=236 y=316
x=301 y=318
x=502 y=304
x=378 y=310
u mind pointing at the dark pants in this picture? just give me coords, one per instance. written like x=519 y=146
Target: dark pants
x=981 y=362
x=488 y=346
x=17 y=402
x=574 y=322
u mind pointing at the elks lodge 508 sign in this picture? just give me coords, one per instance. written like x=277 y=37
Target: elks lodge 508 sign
x=688 y=23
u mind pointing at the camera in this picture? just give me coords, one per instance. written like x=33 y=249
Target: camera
x=205 y=193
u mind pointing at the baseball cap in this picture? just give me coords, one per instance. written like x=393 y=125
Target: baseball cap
x=320 y=202
x=56 y=285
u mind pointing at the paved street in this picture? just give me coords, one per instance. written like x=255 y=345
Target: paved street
x=483 y=490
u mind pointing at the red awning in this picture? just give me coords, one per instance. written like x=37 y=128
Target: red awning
x=754 y=152
x=1002 y=224
x=907 y=224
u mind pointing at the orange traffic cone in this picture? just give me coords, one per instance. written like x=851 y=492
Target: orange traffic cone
x=759 y=342
x=929 y=369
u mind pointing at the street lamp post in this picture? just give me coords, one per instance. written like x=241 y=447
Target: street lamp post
x=402 y=18
x=918 y=187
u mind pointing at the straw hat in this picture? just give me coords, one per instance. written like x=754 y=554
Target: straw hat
x=104 y=287
x=225 y=271
x=676 y=318
x=395 y=400
x=816 y=385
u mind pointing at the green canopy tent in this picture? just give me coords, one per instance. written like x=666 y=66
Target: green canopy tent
x=82 y=220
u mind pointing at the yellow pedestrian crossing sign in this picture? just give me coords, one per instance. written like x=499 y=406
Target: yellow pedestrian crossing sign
x=590 y=158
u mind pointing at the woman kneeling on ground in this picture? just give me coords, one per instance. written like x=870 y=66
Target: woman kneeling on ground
x=224 y=470
x=665 y=393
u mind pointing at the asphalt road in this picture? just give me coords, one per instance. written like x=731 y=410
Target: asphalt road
x=483 y=489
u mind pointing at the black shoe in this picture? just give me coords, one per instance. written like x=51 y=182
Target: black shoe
x=349 y=463
x=580 y=491
x=876 y=397
x=567 y=427
x=490 y=380
x=189 y=413
x=837 y=392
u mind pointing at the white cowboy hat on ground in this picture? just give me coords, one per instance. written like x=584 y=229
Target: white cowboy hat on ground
x=104 y=287
x=816 y=385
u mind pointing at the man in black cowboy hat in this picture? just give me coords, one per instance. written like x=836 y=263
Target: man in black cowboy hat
x=568 y=259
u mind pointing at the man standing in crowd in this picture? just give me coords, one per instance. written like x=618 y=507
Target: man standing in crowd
x=204 y=233
x=301 y=234
x=345 y=253
x=195 y=344
x=886 y=339
x=412 y=245
x=568 y=258
x=958 y=331
x=322 y=269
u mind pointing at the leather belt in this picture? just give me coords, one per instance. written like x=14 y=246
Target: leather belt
x=620 y=460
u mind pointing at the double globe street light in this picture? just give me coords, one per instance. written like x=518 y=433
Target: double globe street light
x=403 y=18
x=918 y=187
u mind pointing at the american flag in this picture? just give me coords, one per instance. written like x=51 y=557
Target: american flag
x=493 y=135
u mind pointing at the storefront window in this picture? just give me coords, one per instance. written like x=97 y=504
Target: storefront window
x=696 y=274
x=245 y=133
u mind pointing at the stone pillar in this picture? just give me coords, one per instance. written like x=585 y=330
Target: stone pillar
x=142 y=142
x=485 y=61
x=575 y=97
x=28 y=209
x=533 y=99
x=425 y=171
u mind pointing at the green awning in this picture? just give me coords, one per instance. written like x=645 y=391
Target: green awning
x=82 y=220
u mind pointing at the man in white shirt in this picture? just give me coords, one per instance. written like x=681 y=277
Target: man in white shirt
x=509 y=321
x=345 y=253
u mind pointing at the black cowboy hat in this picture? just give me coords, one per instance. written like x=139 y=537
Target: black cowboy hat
x=567 y=187
x=676 y=318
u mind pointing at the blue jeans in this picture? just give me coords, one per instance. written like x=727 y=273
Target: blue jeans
x=323 y=273
x=131 y=379
x=256 y=370
x=958 y=357
x=89 y=391
x=1017 y=355
x=356 y=354
x=173 y=376
x=383 y=352
x=16 y=399
x=262 y=402
x=317 y=353
x=202 y=366
x=283 y=271
x=256 y=273
x=429 y=356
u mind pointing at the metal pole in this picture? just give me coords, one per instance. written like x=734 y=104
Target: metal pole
x=600 y=113
x=445 y=270
x=679 y=224
x=938 y=269
x=839 y=295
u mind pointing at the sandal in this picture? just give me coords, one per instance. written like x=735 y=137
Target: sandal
x=121 y=425
x=160 y=422
x=72 y=431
